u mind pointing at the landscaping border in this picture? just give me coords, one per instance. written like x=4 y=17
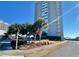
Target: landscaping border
x=35 y=52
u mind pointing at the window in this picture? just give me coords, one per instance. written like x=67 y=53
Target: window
x=44 y=14
x=44 y=2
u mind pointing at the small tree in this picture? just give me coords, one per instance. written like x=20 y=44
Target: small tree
x=14 y=29
x=25 y=28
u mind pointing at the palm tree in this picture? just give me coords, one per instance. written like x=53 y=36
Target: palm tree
x=38 y=25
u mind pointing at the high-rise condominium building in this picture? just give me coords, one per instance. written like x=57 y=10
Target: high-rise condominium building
x=3 y=27
x=51 y=12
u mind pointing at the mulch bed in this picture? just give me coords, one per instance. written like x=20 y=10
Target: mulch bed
x=33 y=45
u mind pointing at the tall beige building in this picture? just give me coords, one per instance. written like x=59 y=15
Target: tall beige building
x=51 y=12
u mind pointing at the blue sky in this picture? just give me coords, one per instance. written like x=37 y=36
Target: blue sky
x=71 y=20
x=17 y=12
x=21 y=12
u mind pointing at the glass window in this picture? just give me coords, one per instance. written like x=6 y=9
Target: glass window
x=43 y=5
x=44 y=2
x=44 y=13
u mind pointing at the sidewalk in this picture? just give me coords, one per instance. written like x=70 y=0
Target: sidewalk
x=35 y=52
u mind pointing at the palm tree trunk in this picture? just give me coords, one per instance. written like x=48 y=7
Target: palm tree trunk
x=17 y=40
x=40 y=34
x=35 y=37
x=40 y=37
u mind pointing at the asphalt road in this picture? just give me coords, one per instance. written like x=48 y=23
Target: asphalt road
x=69 y=50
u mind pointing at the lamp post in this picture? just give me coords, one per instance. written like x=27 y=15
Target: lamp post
x=17 y=38
x=17 y=41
